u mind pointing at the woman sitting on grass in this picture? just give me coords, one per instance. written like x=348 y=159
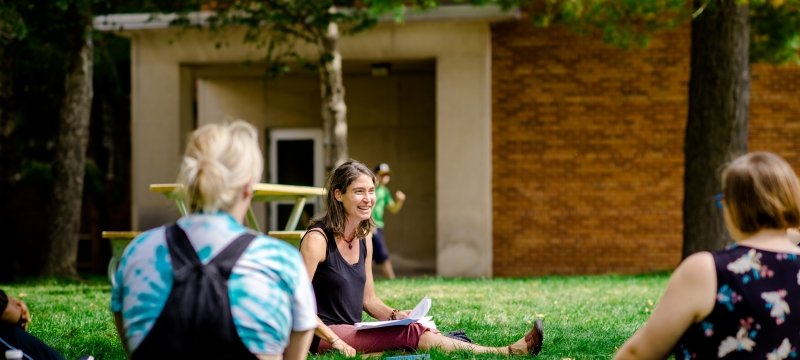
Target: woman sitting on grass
x=206 y=287
x=742 y=302
x=338 y=255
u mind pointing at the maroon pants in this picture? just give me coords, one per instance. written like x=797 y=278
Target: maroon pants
x=375 y=340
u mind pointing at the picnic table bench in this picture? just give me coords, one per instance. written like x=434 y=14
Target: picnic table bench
x=119 y=240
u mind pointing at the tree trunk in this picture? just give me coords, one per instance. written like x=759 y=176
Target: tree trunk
x=334 y=109
x=8 y=257
x=6 y=119
x=12 y=28
x=70 y=150
x=716 y=130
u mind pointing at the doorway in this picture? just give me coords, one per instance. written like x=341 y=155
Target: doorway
x=295 y=158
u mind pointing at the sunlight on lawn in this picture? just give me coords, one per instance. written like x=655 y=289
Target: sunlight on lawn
x=585 y=317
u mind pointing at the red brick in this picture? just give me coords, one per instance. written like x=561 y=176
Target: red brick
x=588 y=148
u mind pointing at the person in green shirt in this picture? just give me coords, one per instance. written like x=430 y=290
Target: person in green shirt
x=383 y=201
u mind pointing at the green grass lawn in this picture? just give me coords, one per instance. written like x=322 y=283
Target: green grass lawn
x=585 y=317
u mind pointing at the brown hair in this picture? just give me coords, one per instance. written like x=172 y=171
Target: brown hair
x=761 y=192
x=340 y=179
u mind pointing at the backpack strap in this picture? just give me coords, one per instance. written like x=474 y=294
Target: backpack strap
x=181 y=252
x=183 y=255
x=228 y=257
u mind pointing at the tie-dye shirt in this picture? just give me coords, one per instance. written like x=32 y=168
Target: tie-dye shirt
x=270 y=293
x=757 y=309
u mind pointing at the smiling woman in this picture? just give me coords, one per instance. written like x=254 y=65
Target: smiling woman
x=337 y=251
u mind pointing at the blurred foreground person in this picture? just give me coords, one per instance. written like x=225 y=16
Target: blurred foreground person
x=206 y=287
x=14 y=321
x=742 y=302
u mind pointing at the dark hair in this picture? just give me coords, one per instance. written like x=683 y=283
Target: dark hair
x=761 y=192
x=339 y=179
x=382 y=168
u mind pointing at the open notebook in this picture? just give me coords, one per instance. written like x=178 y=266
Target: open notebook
x=419 y=314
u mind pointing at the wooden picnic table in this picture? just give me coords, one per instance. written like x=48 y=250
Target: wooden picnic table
x=262 y=192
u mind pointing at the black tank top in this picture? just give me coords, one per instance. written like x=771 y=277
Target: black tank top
x=338 y=285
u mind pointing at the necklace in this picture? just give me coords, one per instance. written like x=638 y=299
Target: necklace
x=349 y=242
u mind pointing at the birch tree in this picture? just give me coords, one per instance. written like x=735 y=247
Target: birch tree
x=278 y=26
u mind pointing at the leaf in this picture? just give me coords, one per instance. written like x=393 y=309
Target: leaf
x=326 y=58
x=62 y=5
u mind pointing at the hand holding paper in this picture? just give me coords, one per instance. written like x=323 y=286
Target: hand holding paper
x=417 y=315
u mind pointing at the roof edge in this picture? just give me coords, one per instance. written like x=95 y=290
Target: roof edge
x=145 y=21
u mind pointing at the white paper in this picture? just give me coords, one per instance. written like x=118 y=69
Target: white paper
x=418 y=314
x=421 y=309
x=427 y=322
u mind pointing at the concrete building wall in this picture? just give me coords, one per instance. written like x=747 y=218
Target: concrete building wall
x=553 y=153
x=390 y=119
x=165 y=72
x=393 y=120
x=588 y=149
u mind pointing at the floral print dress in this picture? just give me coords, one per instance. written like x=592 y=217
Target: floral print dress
x=757 y=309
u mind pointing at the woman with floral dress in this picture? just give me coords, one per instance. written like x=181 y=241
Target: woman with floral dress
x=742 y=302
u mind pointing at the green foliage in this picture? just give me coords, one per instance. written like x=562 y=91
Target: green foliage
x=11 y=24
x=585 y=317
x=34 y=66
x=775 y=24
x=277 y=26
x=624 y=23
x=775 y=31
x=37 y=86
x=36 y=172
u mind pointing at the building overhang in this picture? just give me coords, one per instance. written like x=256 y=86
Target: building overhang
x=145 y=21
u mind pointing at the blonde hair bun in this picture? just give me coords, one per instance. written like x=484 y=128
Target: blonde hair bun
x=219 y=161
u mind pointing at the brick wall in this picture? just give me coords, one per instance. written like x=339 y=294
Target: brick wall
x=588 y=149
x=775 y=111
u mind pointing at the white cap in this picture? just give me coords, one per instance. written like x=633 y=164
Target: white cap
x=13 y=354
